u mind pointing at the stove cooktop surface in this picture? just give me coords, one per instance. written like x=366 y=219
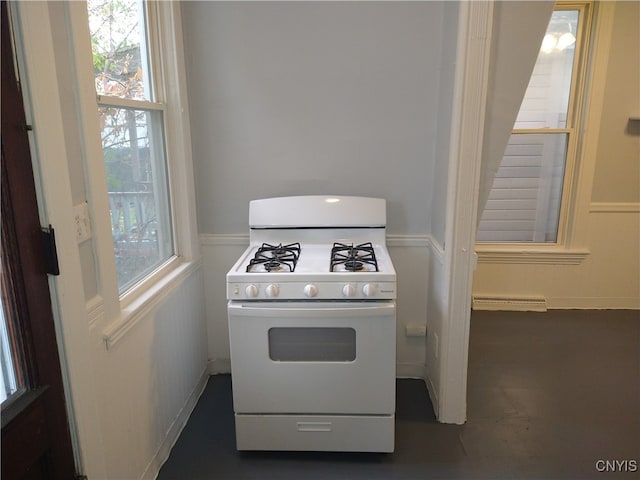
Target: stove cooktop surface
x=335 y=270
x=296 y=259
x=342 y=257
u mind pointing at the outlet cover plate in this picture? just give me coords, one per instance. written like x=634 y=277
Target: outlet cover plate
x=82 y=222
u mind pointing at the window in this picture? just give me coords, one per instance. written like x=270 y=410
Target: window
x=10 y=381
x=526 y=202
x=131 y=110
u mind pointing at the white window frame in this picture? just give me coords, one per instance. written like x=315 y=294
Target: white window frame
x=570 y=245
x=119 y=312
x=157 y=103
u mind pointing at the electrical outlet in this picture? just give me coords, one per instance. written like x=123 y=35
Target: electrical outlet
x=415 y=330
x=82 y=222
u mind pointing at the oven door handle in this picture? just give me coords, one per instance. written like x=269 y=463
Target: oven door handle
x=343 y=310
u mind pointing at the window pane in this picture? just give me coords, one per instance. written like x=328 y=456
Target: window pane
x=119 y=46
x=8 y=383
x=524 y=203
x=546 y=102
x=12 y=381
x=138 y=191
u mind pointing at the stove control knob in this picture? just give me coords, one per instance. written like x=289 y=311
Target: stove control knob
x=310 y=290
x=369 y=290
x=272 y=290
x=251 y=291
x=348 y=290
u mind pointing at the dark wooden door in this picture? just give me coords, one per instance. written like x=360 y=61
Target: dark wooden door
x=36 y=442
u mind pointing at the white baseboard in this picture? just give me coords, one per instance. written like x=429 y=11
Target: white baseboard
x=514 y=304
x=542 y=304
x=219 y=365
x=410 y=370
x=594 y=303
x=433 y=395
x=153 y=468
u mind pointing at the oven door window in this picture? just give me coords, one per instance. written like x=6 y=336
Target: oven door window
x=308 y=344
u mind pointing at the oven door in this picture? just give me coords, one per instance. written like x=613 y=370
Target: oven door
x=313 y=357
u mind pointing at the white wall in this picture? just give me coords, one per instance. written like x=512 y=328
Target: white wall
x=617 y=171
x=436 y=284
x=446 y=84
x=321 y=97
x=310 y=98
x=149 y=382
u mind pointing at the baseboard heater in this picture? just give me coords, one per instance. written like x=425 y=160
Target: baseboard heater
x=514 y=304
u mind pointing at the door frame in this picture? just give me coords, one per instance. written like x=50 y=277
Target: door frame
x=79 y=344
x=453 y=263
x=36 y=438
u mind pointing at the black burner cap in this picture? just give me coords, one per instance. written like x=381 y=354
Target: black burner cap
x=353 y=265
x=271 y=265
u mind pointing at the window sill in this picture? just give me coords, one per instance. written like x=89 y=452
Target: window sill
x=538 y=255
x=143 y=304
x=149 y=281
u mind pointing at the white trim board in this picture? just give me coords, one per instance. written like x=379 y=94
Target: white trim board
x=410 y=370
x=219 y=366
x=433 y=396
x=614 y=207
x=470 y=93
x=593 y=303
x=393 y=240
x=529 y=303
x=37 y=64
x=506 y=303
x=224 y=239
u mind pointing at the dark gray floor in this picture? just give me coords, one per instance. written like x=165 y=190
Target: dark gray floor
x=549 y=395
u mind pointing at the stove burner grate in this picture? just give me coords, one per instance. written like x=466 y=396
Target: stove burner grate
x=353 y=258
x=275 y=258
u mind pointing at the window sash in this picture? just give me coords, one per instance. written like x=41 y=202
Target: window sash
x=165 y=249
x=139 y=199
x=104 y=100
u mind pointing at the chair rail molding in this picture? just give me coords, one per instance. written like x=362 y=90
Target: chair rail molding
x=614 y=207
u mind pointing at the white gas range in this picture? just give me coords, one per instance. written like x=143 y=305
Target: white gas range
x=312 y=327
